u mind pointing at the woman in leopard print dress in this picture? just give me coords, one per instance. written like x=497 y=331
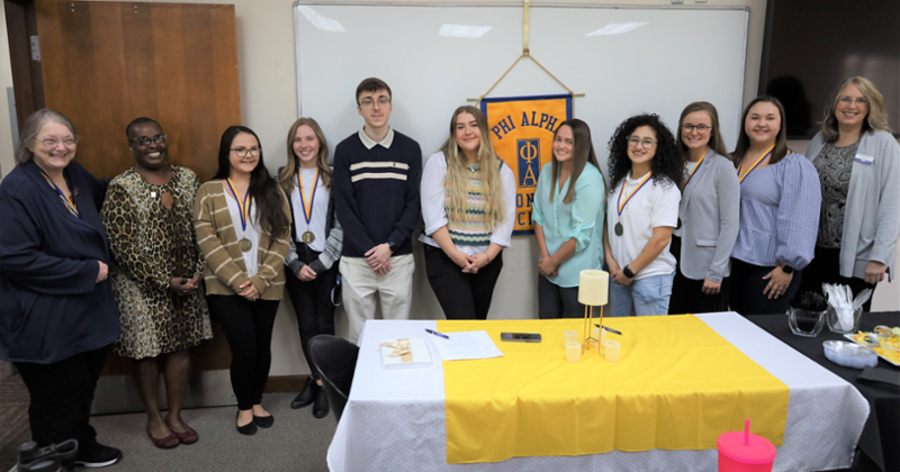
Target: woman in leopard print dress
x=148 y=215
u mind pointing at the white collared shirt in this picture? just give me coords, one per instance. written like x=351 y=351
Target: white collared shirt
x=369 y=143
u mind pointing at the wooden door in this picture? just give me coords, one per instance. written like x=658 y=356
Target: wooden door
x=106 y=63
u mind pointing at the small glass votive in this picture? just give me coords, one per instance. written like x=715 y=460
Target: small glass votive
x=806 y=323
x=612 y=351
x=843 y=320
x=573 y=352
x=602 y=337
x=570 y=336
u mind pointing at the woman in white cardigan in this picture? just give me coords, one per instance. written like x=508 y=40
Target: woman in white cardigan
x=858 y=161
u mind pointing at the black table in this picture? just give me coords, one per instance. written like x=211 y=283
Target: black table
x=880 y=439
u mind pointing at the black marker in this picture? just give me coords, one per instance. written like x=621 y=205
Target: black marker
x=609 y=329
x=440 y=335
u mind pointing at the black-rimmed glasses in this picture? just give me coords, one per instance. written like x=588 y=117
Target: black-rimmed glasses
x=144 y=141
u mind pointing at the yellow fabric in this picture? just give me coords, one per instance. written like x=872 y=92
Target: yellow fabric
x=678 y=385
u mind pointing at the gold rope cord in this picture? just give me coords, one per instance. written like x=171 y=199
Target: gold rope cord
x=525 y=53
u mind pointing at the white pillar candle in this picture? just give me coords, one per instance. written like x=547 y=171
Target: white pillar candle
x=573 y=352
x=570 y=336
x=612 y=351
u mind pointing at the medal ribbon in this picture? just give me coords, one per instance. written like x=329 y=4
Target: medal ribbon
x=242 y=205
x=621 y=206
x=307 y=211
x=68 y=201
x=742 y=175
x=691 y=175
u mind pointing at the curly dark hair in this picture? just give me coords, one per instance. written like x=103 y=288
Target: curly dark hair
x=667 y=162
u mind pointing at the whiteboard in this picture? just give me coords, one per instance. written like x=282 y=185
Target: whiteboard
x=626 y=60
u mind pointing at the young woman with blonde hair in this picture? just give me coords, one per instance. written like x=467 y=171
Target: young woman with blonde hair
x=468 y=204
x=316 y=242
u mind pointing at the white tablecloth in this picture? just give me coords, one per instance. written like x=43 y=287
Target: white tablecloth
x=395 y=419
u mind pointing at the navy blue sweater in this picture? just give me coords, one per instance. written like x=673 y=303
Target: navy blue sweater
x=51 y=307
x=376 y=193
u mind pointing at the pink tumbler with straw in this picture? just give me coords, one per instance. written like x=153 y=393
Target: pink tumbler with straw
x=745 y=452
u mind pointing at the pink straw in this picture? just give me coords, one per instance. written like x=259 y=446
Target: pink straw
x=747 y=431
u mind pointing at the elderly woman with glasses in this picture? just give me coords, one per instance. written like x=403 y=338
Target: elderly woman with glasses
x=57 y=314
x=645 y=171
x=148 y=214
x=859 y=168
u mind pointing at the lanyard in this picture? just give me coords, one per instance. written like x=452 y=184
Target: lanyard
x=242 y=206
x=68 y=201
x=742 y=174
x=621 y=206
x=307 y=210
x=691 y=175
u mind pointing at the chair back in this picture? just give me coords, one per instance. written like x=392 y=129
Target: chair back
x=335 y=360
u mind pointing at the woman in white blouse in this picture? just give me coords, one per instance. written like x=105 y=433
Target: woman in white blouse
x=468 y=204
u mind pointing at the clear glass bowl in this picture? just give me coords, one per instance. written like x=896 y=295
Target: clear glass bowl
x=840 y=324
x=806 y=323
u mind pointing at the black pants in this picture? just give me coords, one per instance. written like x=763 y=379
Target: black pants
x=462 y=296
x=312 y=305
x=61 y=395
x=687 y=294
x=747 y=284
x=557 y=302
x=825 y=268
x=248 y=328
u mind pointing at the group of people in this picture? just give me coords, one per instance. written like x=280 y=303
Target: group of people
x=139 y=263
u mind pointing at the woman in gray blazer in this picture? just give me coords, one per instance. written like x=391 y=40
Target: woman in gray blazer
x=708 y=217
x=859 y=167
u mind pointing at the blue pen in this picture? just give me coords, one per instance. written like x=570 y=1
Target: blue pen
x=440 y=335
x=609 y=329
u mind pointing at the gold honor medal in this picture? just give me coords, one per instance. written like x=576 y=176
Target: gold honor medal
x=620 y=230
x=246 y=245
x=307 y=237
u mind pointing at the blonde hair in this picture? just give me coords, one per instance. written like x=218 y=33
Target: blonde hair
x=286 y=177
x=457 y=176
x=876 y=119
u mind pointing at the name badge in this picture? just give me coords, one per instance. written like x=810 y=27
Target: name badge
x=864 y=159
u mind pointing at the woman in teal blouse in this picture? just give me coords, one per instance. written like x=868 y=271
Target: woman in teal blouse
x=569 y=207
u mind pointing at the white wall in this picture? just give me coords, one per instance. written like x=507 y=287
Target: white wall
x=265 y=39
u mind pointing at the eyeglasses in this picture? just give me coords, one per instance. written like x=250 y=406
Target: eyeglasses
x=244 y=152
x=369 y=103
x=53 y=142
x=647 y=143
x=702 y=129
x=144 y=141
x=859 y=101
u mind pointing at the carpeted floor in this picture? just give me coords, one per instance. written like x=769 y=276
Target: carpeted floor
x=297 y=442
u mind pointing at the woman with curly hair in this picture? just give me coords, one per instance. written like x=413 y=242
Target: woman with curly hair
x=645 y=168
x=568 y=218
x=780 y=199
x=708 y=215
x=859 y=164
x=468 y=205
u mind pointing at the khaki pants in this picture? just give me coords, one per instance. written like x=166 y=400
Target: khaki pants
x=359 y=285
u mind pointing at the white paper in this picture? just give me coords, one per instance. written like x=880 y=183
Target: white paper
x=466 y=345
x=420 y=355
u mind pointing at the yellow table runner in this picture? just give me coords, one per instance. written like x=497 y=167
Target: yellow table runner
x=678 y=385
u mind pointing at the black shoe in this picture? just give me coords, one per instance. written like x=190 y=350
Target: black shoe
x=248 y=429
x=320 y=408
x=307 y=396
x=264 y=421
x=97 y=456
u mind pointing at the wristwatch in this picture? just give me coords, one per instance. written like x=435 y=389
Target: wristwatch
x=628 y=273
x=393 y=246
x=787 y=269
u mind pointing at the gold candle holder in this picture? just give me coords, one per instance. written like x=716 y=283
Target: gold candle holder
x=593 y=290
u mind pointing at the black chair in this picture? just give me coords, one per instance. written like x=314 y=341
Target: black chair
x=335 y=360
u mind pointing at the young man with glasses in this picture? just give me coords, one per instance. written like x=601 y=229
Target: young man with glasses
x=376 y=191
